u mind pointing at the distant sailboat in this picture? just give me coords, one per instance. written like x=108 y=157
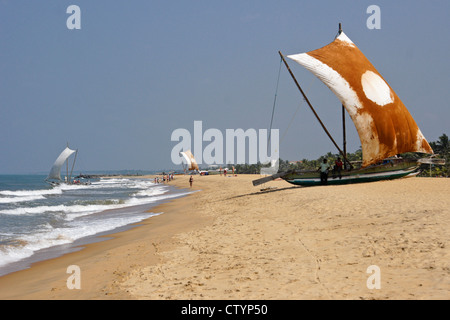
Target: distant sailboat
x=384 y=125
x=54 y=177
x=190 y=160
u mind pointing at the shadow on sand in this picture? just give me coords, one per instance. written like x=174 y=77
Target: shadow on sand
x=264 y=191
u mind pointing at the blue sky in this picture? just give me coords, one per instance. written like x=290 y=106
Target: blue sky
x=137 y=70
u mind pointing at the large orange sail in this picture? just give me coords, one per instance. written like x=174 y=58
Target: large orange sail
x=384 y=125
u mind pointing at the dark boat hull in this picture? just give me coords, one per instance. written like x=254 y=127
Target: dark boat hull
x=381 y=172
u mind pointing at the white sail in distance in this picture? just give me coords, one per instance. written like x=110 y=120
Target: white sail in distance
x=190 y=160
x=55 y=172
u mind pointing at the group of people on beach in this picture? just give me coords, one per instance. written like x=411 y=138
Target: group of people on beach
x=225 y=171
x=325 y=168
x=164 y=179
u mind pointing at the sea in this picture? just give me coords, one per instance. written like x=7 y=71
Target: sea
x=39 y=221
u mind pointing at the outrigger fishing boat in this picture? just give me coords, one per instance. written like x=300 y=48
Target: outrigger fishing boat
x=54 y=176
x=384 y=125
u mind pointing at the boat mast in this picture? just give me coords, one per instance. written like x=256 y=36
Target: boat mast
x=344 y=142
x=312 y=109
x=344 y=135
x=67 y=167
x=73 y=164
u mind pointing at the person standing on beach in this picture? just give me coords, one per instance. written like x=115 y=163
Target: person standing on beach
x=338 y=167
x=324 y=167
x=191 y=179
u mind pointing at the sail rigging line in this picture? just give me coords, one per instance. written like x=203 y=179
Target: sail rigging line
x=274 y=103
x=295 y=113
x=312 y=109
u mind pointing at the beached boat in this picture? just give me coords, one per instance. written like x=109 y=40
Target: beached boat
x=54 y=177
x=384 y=125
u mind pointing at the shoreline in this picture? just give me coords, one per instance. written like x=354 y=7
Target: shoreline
x=231 y=241
x=43 y=274
x=62 y=249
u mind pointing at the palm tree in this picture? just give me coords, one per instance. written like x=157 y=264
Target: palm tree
x=442 y=147
x=443 y=144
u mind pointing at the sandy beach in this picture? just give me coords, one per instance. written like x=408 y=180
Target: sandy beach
x=229 y=240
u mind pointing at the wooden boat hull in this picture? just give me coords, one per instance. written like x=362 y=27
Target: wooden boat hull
x=388 y=171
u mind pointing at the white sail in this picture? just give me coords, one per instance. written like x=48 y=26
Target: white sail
x=55 y=172
x=190 y=160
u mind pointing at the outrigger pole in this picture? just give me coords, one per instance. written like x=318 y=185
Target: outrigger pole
x=314 y=111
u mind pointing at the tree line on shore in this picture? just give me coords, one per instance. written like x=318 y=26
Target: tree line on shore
x=441 y=148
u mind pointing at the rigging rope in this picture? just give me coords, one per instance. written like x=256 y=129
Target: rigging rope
x=295 y=113
x=274 y=102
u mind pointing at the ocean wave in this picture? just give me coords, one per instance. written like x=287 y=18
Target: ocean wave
x=20 y=199
x=88 y=207
x=151 y=192
x=27 y=245
x=30 y=193
x=67 y=209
